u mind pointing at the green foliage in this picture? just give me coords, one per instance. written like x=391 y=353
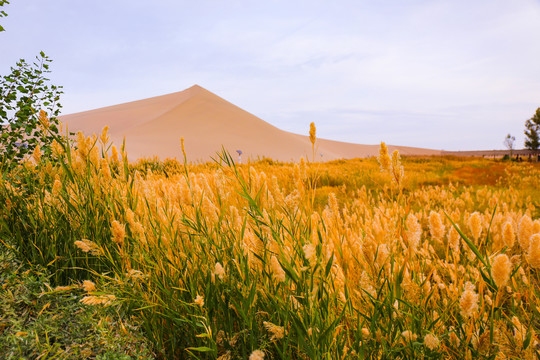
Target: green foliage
x=29 y=106
x=3 y=13
x=532 y=131
x=37 y=322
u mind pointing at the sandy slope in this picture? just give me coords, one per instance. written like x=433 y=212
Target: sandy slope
x=154 y=126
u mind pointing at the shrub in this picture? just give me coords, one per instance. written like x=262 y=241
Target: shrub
x=29 y=107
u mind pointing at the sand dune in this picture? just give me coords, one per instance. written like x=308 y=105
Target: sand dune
x=154 y=126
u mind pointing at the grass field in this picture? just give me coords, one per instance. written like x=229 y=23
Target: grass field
x=434 y=258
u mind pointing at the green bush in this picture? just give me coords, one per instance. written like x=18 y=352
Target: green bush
x=29 y=107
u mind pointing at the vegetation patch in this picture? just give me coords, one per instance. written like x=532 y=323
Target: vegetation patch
x=40 y=322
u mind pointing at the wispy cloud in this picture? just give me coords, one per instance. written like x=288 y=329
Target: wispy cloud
x=444 y=74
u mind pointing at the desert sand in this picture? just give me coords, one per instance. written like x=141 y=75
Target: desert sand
x=154 y=126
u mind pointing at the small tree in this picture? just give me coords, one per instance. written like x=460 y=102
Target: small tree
x=532 y=131
x=509 y=143
x=28 y=111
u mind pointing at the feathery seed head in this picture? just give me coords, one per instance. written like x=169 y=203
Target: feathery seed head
x=431 y=341
x=88 y=246
x=384 y=159
x=118 y=232
x=104 y=137
x=501 y=269
x=276 y=332
x=105 y=170
x=57 y=187
x=63 y=288
x=436 y=226
x=43 y=119
x=135 y=274
x=508 y=235
x=130 y=217
x=310 y=253
x=520 y=331
x=536 y=226
x=114 y=155
x=277 y=271
x=104 y=300
x=94 y=155
x=397 y=169
x=533 y=255
x=382 y=254
x=257 y=355
x=475 y=224
x=525 y=232
x=138 y=230
x=82 y=147
x=88 y=286
x=199 y=300
x=57 y=149
x=409 y=336
x=219 y=271
x=312 y=132
x=468 y=302
x=414 y=232
x=37 y=154
x=365 y=333
x=454 y=240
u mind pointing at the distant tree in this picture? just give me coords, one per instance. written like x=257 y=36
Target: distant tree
x=509 y=143
x=532 y=131
x=3 y=13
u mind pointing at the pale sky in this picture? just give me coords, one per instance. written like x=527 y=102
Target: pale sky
x=448 y=74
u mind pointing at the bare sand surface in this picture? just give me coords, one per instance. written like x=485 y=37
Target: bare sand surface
x=154 y=126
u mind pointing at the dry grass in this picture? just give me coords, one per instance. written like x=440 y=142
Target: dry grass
x=297 y=261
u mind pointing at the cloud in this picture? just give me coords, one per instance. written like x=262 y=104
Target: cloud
x=444 y=74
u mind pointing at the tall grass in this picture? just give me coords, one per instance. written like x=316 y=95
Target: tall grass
x=293 y=261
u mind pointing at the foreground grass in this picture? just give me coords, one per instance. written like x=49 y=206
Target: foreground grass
x=38 y=322
x=425 y=258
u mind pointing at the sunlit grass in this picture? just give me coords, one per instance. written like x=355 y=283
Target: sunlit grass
x=429 y=258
